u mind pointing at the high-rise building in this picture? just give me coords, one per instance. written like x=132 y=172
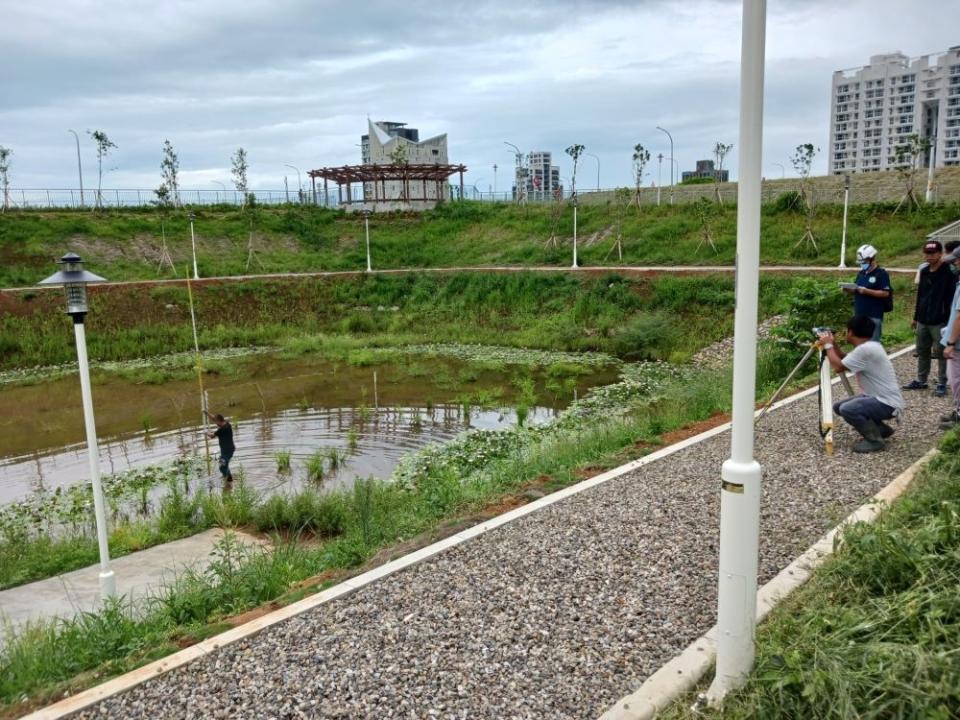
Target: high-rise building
x=875 y=108
x=386 y=141
x=538 y=177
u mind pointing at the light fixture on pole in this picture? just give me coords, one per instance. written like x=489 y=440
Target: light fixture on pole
x=671 y=160
x=299 y=184
x=843 y=238
x=598 y=168
x=193 y=248
x=741 y=474
x=494 y=181
x=659 y=175
x=783 y=170
x=74 y=280
x=520 y=180
x=366 y=225
x=79 y=166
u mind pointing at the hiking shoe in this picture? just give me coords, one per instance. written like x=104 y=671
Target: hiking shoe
x=948 y=424
x=940 y=390
x=885 y=430
x=950 y=417
x=915 y=385
x=868 y=446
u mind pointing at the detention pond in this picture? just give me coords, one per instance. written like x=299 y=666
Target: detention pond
x=343 y=420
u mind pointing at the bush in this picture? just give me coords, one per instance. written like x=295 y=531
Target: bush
x=645 y=337
x=812 y=303
x=788 y=202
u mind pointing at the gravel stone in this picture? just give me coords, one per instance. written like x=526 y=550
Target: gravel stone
x=555 y=615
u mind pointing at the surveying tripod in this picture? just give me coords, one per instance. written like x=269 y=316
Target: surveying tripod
x=824 y=393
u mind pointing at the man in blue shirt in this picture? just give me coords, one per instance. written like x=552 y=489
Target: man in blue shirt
x=872 y=289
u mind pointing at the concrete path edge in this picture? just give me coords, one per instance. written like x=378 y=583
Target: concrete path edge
x=122 y=683
x=683 y=672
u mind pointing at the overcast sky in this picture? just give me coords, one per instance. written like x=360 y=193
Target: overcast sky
x=293 y=81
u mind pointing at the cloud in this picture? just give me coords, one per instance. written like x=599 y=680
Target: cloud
x=294 y=81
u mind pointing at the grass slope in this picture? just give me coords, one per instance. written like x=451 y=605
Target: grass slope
x=126 y=244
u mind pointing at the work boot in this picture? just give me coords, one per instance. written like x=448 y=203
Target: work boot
x=950 y=417
x=885 y=430
x=872 y=440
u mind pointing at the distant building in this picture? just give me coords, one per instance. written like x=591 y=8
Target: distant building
x=875 y=108
x=706 y=169
x=538 y=177
x=385 y=142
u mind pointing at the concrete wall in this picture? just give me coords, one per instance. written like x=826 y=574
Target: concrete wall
x=864 y=188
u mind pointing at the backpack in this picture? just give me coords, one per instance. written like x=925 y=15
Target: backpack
x=888 y=301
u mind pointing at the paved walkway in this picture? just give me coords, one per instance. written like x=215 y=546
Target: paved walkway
x=555 y=615
x=138 y=575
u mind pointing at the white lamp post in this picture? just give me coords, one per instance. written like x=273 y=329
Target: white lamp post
x=74 y=280
x=366 y=225
x=193 y=248
x=741 y=474
x=671 y=160
x=598 y=168
x=843 y=238
x=79 y=166
x=659 y=173
x=574 y=266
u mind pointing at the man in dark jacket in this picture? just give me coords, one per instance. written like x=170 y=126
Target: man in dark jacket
x=934 y=294
x=224 y=435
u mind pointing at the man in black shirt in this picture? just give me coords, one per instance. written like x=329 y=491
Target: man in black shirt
x=934 y=294
x=224 y=435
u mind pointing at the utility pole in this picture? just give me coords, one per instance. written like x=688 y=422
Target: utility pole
x=659 y=175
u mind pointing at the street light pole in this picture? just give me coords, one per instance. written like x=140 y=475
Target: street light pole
x=299 y=184
x=843 y=239
x=494 y=181
x=74 y=280
x=783 y=170
x=574 y=266
x=518 y=157
x=79 y=166
x=659 y=175
x=671 y=160
x=598 y=168
x=741 y=474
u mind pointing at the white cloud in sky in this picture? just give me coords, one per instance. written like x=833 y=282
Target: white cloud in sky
x=294 y=81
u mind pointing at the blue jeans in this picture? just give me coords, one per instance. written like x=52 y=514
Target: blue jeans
x=225 y=465
x=859 y=409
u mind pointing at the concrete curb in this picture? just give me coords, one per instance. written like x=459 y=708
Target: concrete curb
x=683 y=672
x=133 y=678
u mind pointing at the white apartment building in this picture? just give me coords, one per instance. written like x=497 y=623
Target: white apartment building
x=875 y=108
x=538 y=176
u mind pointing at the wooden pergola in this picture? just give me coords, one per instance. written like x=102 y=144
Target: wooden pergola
x=412 y=177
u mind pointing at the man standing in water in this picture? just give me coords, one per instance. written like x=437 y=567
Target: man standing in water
x=224 y=435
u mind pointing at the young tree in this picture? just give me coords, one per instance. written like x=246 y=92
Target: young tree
x=5 y=154
x=641 y=156
x=574 y=151
x=239 y=171
x=705 y=211
x=802 y=162
x=169 y=191
x=621 y=199
x=398 y=156
x=104 y=146
x=909 y=156
x=720 y=152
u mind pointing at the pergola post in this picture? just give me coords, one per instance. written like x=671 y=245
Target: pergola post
x=326 y=194
x=461 y=182
x=313 y=183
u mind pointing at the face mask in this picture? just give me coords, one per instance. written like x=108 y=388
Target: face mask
x=865 y=266
x=954 y=269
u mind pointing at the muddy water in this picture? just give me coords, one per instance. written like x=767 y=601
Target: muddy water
x=301 y=406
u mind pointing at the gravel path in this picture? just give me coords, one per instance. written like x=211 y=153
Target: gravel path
x=556 y=615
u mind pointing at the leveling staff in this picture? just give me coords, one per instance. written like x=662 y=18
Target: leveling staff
x=880 y=397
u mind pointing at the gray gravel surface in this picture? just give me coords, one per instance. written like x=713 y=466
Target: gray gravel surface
x=556 y=615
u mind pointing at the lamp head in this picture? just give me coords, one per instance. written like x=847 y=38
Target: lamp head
x=74 y=280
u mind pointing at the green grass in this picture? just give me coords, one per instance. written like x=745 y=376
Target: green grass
x=123 y=244
x=634 y=318
x=875 y=632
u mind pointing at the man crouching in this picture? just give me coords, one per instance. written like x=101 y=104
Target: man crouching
x=880 y=397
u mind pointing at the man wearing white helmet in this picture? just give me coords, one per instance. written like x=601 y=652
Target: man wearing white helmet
x=872 y=292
